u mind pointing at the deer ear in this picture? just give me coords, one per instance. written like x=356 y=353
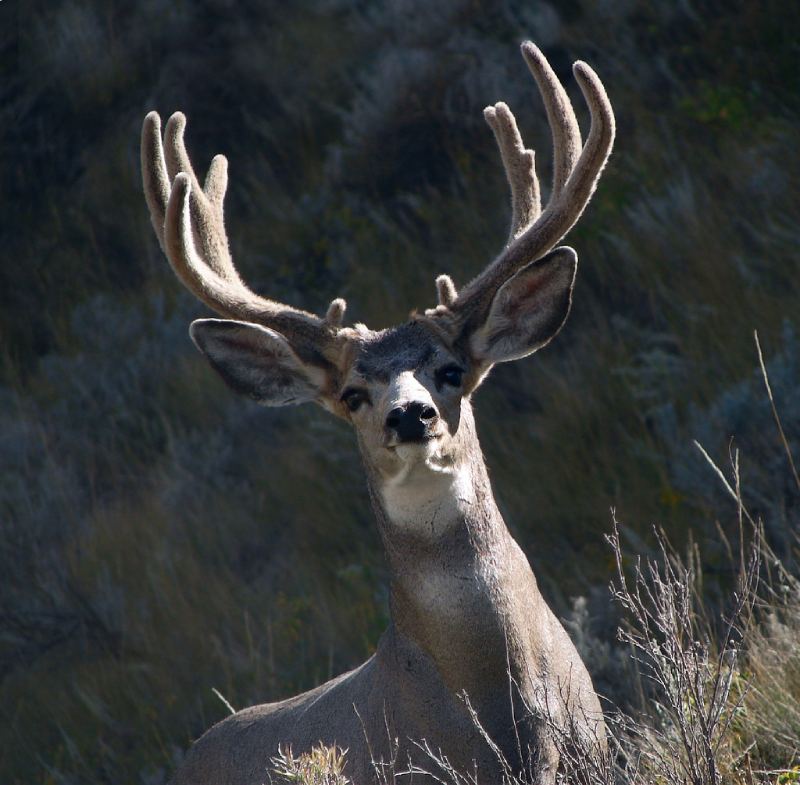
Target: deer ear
x=257 y=362
x=528 y=309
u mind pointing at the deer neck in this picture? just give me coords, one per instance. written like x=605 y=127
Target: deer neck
x=461 y=588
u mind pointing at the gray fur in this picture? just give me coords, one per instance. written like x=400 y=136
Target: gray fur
x=256 y=361
x=467 y=617
x=528 y=310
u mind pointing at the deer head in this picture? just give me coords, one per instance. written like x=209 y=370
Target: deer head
x=405 y=389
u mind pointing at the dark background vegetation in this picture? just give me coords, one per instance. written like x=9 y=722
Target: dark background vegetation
x=160 y=537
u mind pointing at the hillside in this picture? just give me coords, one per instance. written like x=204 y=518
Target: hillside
x=159 y=536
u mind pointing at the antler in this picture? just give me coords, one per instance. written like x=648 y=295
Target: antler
x=576 y=171
x=189 y=224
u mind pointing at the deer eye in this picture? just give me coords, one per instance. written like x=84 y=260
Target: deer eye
x=353 y=398
x=451 y=375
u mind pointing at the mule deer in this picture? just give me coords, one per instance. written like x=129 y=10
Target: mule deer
x=466 y=614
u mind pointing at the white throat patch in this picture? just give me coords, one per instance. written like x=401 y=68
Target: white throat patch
x=428 y=497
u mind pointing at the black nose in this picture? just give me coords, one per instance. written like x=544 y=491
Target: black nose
x=411 y=422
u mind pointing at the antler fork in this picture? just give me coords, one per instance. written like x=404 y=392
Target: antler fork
x=576 y=171
x=188 y=221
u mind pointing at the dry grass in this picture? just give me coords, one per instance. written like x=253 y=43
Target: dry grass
x=321 y=766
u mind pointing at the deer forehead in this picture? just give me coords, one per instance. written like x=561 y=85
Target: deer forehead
x=393 y=352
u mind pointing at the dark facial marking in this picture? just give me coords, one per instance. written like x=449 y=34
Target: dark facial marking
x=399 y=349
x=353 y=398
x=450 y=375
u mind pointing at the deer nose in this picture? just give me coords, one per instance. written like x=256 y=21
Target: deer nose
x=411 y=421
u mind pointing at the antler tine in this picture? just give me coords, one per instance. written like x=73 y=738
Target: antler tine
x=206 y=204
x=189 y=225
x=334 y=316
x=160 y=167
x=574 y=181
x=560 y=115
x=179 y=246
x=154 y=174
x=520 y=167
x=446 y=290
